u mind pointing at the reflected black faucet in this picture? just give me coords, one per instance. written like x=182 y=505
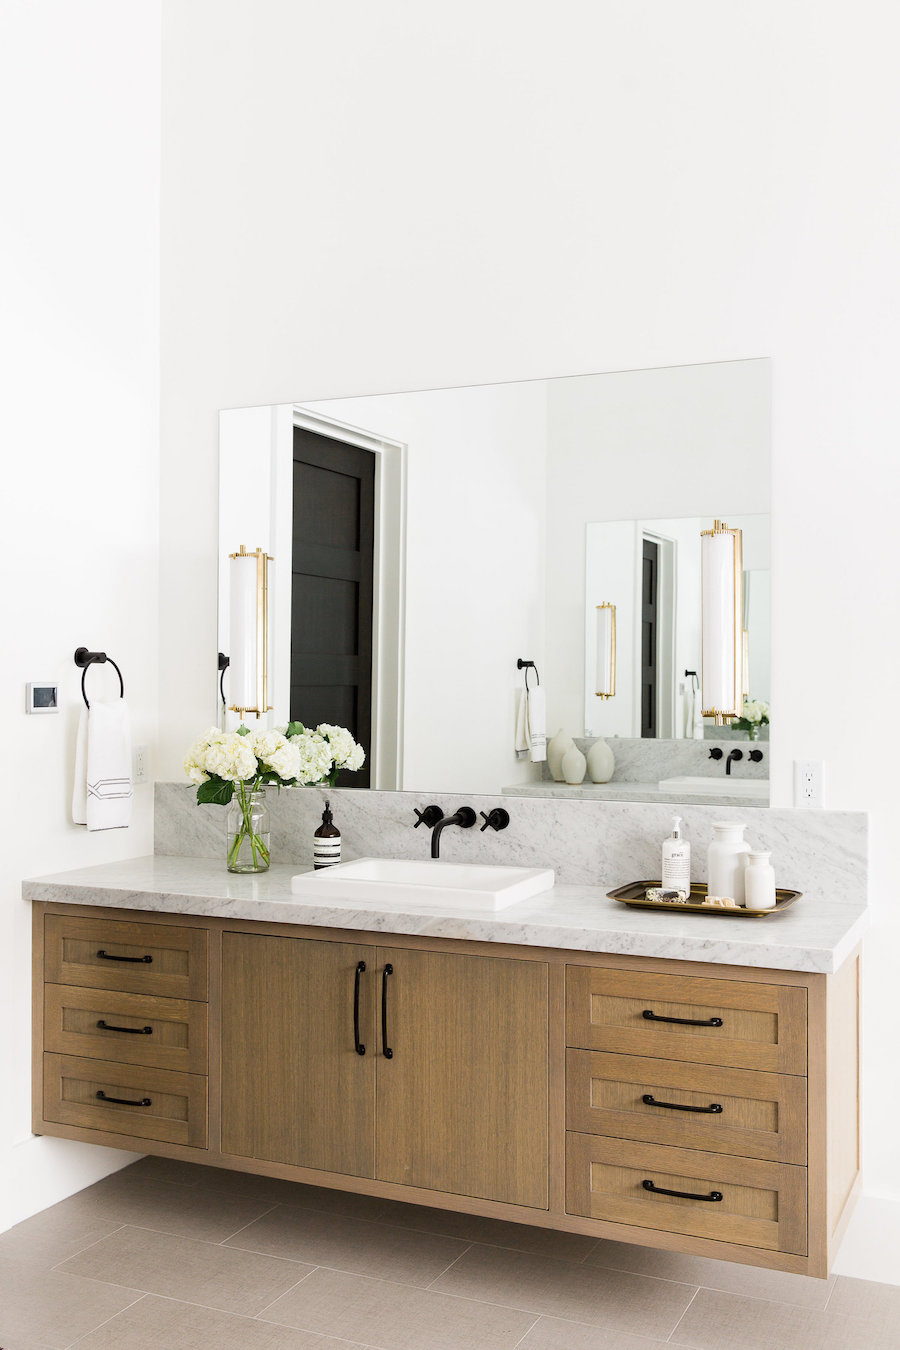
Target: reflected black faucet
x=733 y=757
x=464 y=817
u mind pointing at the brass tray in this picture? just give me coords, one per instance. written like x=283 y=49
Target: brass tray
x=633 y=894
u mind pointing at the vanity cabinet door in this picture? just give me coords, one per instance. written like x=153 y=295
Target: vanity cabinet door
x=294 y=1087
x=462 y=1101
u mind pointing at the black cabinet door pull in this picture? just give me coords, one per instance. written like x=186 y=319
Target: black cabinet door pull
x=385 y=1048
x=682 y=1021
x=123 y=1101
x=360 y=970
x=714 y=1109
x=132 y=1031
x=682 y=1195
x=105 y=956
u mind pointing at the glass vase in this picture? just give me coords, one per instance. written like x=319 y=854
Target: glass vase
x=247 y=831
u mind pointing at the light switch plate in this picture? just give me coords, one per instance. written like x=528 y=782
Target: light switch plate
x=42 y=696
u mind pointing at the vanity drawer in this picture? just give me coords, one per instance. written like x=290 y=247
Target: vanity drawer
x=687 y=1017
x=763 y=1115
x=154 y=1103
x=136 y=958
x=162 y=1033
x=762 y=1204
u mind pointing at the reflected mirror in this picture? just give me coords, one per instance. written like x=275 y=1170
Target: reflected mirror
x=421 y=544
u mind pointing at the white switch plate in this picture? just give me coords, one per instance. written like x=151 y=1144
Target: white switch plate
x=809 y=783
x=139 y=767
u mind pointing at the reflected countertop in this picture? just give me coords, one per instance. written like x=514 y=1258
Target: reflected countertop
x=815 y=935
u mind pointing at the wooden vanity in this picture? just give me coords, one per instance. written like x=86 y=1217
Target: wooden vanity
x=701 y=1107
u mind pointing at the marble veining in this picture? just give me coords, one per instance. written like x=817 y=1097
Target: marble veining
x=646 y=760
x=822 y=853
x=625 y=792
x=816 y=935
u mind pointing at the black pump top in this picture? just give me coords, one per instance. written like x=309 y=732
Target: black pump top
x=327 y=818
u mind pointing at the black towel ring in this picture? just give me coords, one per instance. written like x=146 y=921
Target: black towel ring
x=526 y=666
x=84 y=658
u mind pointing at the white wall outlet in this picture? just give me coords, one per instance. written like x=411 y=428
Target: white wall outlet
x=139 y=767
x=809 y=783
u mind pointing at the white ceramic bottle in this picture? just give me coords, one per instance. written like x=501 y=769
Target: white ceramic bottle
x=574 y=766
x=601 y=761
x=676 y=860
x=728 y=860
x=759 y=882
x=556 y=748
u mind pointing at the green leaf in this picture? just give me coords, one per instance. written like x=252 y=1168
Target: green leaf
x=217 y=791
x=243 y=731
x=294 y=729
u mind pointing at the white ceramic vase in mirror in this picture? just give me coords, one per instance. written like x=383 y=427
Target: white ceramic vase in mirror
x=556 y=748
x=574 y=766
x=601 y=761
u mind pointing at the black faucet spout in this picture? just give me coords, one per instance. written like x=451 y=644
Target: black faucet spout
x=733 y=757
x=464 y=817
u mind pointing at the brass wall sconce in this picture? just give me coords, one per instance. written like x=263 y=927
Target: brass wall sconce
x=249 y=657
x=722 y=588
x=606 y=650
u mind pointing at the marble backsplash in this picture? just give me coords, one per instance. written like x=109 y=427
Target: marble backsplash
x=647 y=761
x=822 y=853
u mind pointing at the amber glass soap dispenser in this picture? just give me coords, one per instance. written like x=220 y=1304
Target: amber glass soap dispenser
x=326 y=841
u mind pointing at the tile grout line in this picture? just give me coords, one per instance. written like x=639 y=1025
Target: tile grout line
x=468 y=1247
x=528 y=1332
x=827 y=1304
x=258 y=1316
x=668 y=1339
x=249 y=1225
x=106 y=1322
x=81 y=1250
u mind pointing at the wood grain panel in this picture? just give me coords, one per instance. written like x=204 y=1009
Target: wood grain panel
x=294 y=1089
x=177 y=1036
x=763 y=1025
x=763 y=1114
x=763 y=1204
x=462 y=1106
x=178 y=956
x=177 y=1110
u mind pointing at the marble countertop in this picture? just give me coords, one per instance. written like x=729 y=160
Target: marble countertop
x=816 y=935
x=633 y=792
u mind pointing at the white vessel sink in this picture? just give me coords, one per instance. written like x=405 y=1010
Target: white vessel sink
x=431 y=883
x=755 y=789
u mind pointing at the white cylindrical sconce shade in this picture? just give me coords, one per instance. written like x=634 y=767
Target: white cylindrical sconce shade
x=722 y=585
x=249 y=637
x=606 y=650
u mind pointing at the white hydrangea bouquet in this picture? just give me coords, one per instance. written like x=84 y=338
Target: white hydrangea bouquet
x=229 y=767
x=755 y=714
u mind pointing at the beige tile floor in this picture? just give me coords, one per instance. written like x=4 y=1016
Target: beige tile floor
x=170 y=1256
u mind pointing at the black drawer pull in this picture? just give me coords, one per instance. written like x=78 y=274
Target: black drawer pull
x=132 y=1031
x=360 y=970
x=714 y=1109
x=106 y=957
x=385 y=1048
x=123 y=1101
x=683 y=1021
x=682 y=1195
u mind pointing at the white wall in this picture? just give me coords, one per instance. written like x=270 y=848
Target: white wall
x=686 y=441
x=79 y=334
x=360 y=198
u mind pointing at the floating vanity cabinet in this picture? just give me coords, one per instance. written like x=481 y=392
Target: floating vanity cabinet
x=462 y=1099
x=294 y=1088
x=689 y=1105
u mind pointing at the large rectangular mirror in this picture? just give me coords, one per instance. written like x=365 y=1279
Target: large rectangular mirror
x=421 y=544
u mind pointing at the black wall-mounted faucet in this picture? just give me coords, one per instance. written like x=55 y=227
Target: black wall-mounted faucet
x=733 y=758
x=465 y=817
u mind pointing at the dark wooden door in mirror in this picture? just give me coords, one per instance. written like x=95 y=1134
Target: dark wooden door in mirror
x=331 y=596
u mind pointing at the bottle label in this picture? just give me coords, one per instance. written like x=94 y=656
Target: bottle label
x=326 y=852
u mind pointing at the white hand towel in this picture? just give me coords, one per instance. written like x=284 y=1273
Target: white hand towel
x=536 y=723
x=522 y=746
x=103 y=791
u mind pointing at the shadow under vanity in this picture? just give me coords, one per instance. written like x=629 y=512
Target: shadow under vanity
x=678 y=1082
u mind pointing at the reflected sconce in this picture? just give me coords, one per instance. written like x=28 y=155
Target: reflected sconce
x=606 y=650
x=722 y=587
x=249 y=659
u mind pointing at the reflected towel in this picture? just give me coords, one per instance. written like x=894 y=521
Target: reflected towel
x=103 y=791
x=531 y=725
